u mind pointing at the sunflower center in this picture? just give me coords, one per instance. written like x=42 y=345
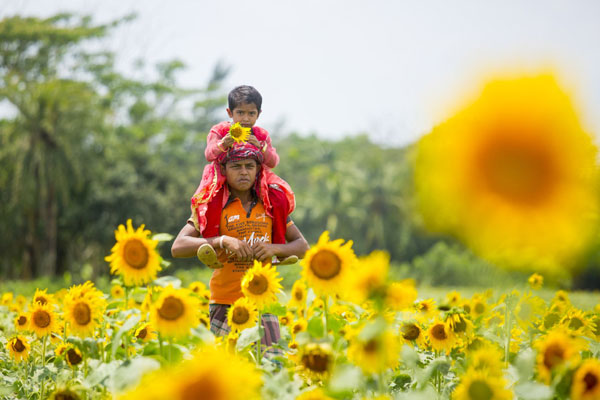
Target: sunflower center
x=142 y=333
x=550 y=320
x=575 y=323
x=326 y=265
x=204 y=387
x=41 y=299
x=258 y=285
x=480 y=390
x=439 y=332
x=18 y=345
x=73 y=357
x=516 y=170
x=65 y=396
x=554 y=355
x=316 y=362
x=479 y=308
x=41 y=319
x=171 y=309
x=82 y=313
x=297 y=328
x=371 y=346
x=22 y=320
x=136 y=254
x=591 y=381
x=460 y=325
x=299 y=294
x=410 y=331
x=240 y=315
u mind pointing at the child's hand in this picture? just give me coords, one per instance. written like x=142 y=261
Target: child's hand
x=254 y=141
x=227 y=141
x=263 y=251
x=239 y=249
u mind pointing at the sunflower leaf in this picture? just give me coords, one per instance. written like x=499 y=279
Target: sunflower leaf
x=533 y=391
x=162 y=237
x=247 y=337
x=275 y=309
x=315 y=327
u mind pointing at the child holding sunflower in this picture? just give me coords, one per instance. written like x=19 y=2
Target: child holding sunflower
x=244 y=108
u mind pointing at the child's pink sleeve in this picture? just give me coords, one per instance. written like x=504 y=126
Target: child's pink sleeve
x=213 y=150
x=271 y=156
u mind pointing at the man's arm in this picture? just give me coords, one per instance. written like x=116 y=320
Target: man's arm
x=296 y=246
x=188 y=241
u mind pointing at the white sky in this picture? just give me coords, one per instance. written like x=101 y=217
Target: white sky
x=389 y=68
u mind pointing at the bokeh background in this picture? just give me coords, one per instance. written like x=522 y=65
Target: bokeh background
x=104 y=116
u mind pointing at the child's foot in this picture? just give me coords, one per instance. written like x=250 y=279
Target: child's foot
x=208 y=256
x=289 y=260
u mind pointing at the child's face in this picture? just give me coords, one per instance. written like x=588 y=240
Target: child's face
x=246 y=114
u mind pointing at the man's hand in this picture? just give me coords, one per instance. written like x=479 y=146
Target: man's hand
x=263 y=251
x=239 y=249
x=227 y=141
x=254 y=141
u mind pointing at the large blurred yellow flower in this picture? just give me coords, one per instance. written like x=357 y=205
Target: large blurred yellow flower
x=134 y=255
x=513 y=175
x=18 y=348
x=316 y=360
x=376 y=353
x=242 y=314
x=586 y=381
x=327 y=265
x=175 y=312
x=83 y=309
x=401 y=295
x=477 y=385
x=261 y=284
x=557 y=348
x=369 y=278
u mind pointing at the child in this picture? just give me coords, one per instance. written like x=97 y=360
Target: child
x=244 y=108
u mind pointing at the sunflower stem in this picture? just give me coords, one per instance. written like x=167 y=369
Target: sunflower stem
x=325 y=301
x=381 y=383
x=160 y=344
x=508 y=322
x=170 y=350
x=258 y=357
x=44 y=351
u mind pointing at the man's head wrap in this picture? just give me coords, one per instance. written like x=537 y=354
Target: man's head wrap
x=241 y=151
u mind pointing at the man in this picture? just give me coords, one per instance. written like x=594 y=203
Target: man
x=242 y=230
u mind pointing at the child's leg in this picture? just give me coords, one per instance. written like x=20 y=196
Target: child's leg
x=218 y=319
x=272 y=335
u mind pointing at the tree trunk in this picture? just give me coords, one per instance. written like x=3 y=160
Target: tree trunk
x=51 y=232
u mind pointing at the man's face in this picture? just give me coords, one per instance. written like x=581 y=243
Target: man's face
x=245 y=114
x=241 y=175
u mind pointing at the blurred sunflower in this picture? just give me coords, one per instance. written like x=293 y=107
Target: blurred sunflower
x=134 y=256
x=117 y=291
x=376 y=353
x=536 y=281
x=298 y=294
x=369 y=279
x=401 y=295
x=175 y=312
x=242 y=314
x=287 y=319
x=197 y=287
x=529 y=311
x=239 y=133
x=22 y=322
x=316 y=360
x=64 y=393
x=441 y=337
x=72 y=355
x=488 y=358
x=478 y=306
x=327 y=264
x=261 y=283
x=7 y=299
x=40 y=296
x=313 y=394
x=459 y=323
x=426 y=307
x=578 y=323
x=586 y=381
x=477 y=385
x=84 y=309
x=42 y=320
x=298 y=326
x=18 y=348
x=555 y=349
x=513 y=175
x=412 y=332
x=145 y=333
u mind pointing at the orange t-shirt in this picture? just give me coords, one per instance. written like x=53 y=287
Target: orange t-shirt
x=253 y=227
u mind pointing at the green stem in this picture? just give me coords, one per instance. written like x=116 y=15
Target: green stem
x=44 y=351
x=508 y=322
x=382 y=390
x=170 y=350
x=258 y=357
x=162 y=353
x=325 y=301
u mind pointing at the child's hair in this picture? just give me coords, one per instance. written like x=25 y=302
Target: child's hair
x=244 y=94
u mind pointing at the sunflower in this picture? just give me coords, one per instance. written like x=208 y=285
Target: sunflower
x=18 y=347
x=197 y=287
x=513 y=175
x=83 y=309
x=487 y=357
x=260 y=284
x=369 y=279
x=327 y=265
x=313 y=394
x=72 y=355
x=22 y=322
x=242 y=314
x=7 y=299
x=298 y=294
x=478 y=306
x=287 y=319
x=134 y=256
x=401 y=295
x=40 y=296
x=586 y=381
x=459 y=323
x=117 y=291
x=556 y=349
x=453 y=298
x=316 y=360
x=529 y=311
x=42 y=320
x=412 y=332
x=64 y=394
x=578 y=323
x=536 y=281
x=145 y=333
x=441 y=337
x=426 y=307
x=477 y=385
x=239 y=133
x=376 y=353
x=298 y=326
x=175 y=312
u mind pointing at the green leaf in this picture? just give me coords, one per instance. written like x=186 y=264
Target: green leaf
x=131 y=372
x=162 y=237
x=372 y=330
x=345 y=378
x=247 y=337
x=128 y=325
x=315 y=327
x=533 y=391
x=275 y=309
x=167 y=280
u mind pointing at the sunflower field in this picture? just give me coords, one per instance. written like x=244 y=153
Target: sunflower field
x=347 y=332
